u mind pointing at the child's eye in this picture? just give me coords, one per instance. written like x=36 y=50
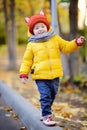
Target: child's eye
x=42 y=26
x=36 y=28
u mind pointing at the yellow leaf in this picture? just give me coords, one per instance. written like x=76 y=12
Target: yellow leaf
x=7 y=108
x=14 y=116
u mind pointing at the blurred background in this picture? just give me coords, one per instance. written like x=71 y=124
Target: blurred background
x=67 y=17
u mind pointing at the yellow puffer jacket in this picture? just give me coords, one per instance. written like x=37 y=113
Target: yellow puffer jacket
x=43 y=58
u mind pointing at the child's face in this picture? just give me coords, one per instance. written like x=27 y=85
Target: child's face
x=39 y=28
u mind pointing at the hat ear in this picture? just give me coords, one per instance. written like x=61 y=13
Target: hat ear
x=27 y=19
x=42 y=13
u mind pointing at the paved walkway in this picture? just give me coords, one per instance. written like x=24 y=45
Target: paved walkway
x=26 y=112
x=6 y=120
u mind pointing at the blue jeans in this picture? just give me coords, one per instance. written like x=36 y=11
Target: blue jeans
x=48 y=90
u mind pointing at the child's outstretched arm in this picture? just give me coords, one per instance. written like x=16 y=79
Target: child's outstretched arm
x=70 y=46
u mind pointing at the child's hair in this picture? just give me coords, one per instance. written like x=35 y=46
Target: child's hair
x=41 y=17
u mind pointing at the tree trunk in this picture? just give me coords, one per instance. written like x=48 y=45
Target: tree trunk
x=13 y=42
x=85 y=34
x=54 y=22
x=73 y=15
x=10 y=39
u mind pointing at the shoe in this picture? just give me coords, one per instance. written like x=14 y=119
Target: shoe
x=41 y=118
x=48 y=121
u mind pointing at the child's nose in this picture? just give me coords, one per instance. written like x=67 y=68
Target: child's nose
x=40 y=28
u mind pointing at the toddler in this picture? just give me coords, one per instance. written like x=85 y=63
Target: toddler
x=42 y=59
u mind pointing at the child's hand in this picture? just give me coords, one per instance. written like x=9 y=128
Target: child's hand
x=80 y=41
x=24 y=80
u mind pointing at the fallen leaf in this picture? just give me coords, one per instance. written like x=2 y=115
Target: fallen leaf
x=23 y=128
x=7 y=115
x=14 y=116
x=7 y=108
x=73 y=125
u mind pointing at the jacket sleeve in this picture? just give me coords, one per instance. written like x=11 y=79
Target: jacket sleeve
x=27 y=60
x=67 y=46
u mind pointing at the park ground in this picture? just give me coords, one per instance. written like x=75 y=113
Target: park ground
x=70 y=106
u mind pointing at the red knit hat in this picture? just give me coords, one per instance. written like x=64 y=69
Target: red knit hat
x=37 y=19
